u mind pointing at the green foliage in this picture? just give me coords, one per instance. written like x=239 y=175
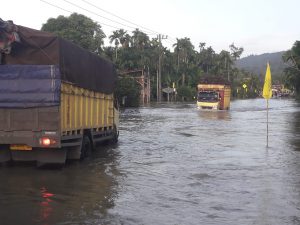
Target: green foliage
x=118 y=37
x=235 y=51
x=128 y=92
x=292 y=72
x=252 y=88
x=184 y=67
x=186 y=93
x=79 y=29
x=139 y=39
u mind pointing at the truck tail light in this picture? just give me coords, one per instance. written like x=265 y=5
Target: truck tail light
x=45 y=141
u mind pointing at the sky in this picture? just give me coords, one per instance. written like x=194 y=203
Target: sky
x=259 y=26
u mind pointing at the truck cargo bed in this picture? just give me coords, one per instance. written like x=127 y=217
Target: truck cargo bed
x=37 y=106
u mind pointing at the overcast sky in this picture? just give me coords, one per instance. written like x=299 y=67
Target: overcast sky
x=259 y=26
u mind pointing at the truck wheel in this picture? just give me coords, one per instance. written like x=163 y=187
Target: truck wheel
x=115 y=135
x=86 y=147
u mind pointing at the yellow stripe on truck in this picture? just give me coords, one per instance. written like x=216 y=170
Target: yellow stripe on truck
x=91 y=109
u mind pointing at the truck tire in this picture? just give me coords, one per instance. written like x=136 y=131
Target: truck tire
x=86 y=147
x=115 y=135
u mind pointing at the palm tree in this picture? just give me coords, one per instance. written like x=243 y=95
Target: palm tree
x=207 y=59
x=139 y=39
x=118 y=37
x=115 y=38
x=224 y=64
x=125 y=40
x=201 y=46
x=184 y=50
x=235 y=51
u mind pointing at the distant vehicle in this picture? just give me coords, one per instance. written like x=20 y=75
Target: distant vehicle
x=279 y=91
x=213 y=96
x=56 y=100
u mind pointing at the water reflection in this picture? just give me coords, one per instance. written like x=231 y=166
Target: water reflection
x=46 y=205
x=80 y=193
x=214 y=114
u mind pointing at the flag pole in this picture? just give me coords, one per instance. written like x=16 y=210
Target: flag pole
x=267 y=123
x=267 y=94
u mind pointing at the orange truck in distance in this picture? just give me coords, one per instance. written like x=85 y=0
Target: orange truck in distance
x=213 y=96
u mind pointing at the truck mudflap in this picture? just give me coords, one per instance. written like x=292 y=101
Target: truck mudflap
x=4 y=154
x=53 y=156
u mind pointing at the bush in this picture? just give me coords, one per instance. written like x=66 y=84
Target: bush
x=128 y=92
x=186 y=93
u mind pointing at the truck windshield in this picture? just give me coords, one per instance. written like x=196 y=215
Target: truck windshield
x=208 y=96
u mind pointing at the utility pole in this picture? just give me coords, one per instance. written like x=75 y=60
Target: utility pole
x=159 y=70
x=148 y=86
x=159 y=95
x=227 y=68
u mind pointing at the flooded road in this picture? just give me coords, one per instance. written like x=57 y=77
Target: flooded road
x=174 y=165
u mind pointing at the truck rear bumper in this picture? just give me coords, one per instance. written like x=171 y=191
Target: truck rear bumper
x=42 y=156
x=29 y=138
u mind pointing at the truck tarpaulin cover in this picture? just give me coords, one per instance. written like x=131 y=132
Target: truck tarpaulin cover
x=23 y=86
x=77 y=65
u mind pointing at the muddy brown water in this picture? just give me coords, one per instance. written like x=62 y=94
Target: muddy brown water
x=174 y=165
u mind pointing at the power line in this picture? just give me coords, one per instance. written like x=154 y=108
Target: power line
x=139 y=26
x=55 y=6
x=71 y=3
x=89 y=11
x=82 y=8
x=73 y=12
x=97 y=7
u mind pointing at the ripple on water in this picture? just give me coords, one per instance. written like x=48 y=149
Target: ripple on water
x=173 y=165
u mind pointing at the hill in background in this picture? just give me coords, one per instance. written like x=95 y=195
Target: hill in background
x=257 y=64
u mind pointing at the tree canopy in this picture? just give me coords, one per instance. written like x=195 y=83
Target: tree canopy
x=184 y=66
x=292 y=72
x=79 y=29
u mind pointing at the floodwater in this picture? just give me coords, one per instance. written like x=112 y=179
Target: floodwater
x=173 y=165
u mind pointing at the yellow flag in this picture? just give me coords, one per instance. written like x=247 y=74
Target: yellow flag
x=267 y=91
